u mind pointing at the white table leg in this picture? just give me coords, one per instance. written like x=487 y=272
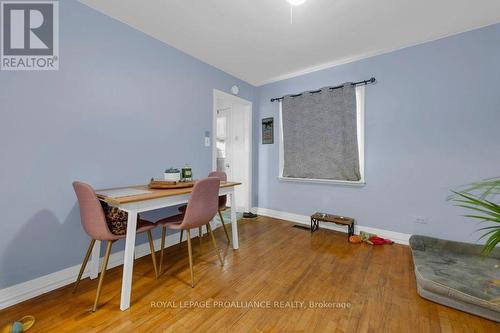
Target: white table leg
x=128 y=260
x=234 y=222
x=94 y=262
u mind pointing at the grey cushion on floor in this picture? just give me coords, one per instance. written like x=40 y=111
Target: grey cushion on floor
x=456 y=275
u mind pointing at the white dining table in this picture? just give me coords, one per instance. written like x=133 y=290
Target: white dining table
x=138 y=199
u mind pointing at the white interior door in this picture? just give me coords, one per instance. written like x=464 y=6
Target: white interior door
x=233 y=147
x=222 y=138
x=237 y=154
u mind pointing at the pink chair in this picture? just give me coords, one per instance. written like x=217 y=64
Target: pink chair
x=222 y=204
x=201 y=209
x=94 y=223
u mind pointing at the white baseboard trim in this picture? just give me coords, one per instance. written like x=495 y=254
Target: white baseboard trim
x=26 y=290
x=397 y=237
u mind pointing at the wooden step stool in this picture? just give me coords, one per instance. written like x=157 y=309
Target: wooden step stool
x=341 y=220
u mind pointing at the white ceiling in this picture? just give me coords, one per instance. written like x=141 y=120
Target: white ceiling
x=254 y=40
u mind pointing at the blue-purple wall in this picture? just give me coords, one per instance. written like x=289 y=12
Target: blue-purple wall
x=432 y=123
x=121 y=109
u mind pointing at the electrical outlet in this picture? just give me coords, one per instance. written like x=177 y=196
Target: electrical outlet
x=421 y=220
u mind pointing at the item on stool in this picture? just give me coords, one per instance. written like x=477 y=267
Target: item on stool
x=341 y=220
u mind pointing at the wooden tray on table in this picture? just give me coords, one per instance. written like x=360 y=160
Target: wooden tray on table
x=165 y=185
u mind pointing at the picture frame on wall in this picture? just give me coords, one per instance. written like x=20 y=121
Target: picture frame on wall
x=267 y=131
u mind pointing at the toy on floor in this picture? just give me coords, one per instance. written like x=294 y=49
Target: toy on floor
x=21 y=325
x=373 y=239
x=355 y=239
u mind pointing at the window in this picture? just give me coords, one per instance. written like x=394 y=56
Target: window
x=360 y=136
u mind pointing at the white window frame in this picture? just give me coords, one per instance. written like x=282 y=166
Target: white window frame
x=360 y=120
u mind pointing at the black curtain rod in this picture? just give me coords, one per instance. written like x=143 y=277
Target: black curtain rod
x=359 y=83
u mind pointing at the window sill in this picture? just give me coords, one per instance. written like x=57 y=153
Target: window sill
x=360 y=183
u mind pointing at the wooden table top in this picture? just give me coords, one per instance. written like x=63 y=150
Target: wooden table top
x=153 y=193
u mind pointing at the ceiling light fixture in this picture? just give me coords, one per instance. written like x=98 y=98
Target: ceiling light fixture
x=294 y=3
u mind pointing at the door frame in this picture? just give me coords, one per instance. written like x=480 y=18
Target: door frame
x=248 y=106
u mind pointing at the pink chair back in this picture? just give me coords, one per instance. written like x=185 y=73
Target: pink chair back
x=223 y=178
x=202 y=205
x=91 y=213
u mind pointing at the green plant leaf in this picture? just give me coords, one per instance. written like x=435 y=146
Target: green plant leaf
x=481 y=205
x=482 y=189
x=480 y=202
x=491 y=243
x=475 y=205
x=488 y=233
x=484 y=218
x=490 y=227
x=480 y=210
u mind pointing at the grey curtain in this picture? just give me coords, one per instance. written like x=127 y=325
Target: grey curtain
x=320 y=135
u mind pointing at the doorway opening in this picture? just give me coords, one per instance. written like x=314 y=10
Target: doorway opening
x=232 y=144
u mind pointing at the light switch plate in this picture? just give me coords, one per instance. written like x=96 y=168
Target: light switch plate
x=207 y=142
x=421 y=220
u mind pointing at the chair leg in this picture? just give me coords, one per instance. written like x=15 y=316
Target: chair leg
x=199 y=234
x=163 y=235
x=214 y=244
x=224 y=227
x=180 y=239
x=190 y=252
x=84 y=264
x=153 y=253
x=103 y=272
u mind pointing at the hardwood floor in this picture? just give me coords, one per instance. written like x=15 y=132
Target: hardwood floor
x=275 y=263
